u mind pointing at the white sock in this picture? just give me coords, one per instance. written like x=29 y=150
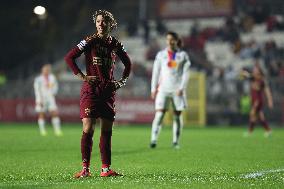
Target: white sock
x=56 y=124
x=177 y=127
x=41 y=124
x=156 y=126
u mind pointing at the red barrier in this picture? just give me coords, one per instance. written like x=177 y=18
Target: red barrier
x=128 y=111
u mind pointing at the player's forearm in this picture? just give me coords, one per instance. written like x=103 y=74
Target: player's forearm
x=154 y=81
x=37 y=93
x=268 y=95
x=184 y=81
x=38 y=98
x=185 y=77
x=70 y=59
x=55 y=87
x=127 y=68
x=155 y=76
x=127 y=64
x=81 y=76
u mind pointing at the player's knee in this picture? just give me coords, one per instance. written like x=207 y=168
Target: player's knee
x=159 y=116
x=252 y=113
x=54 y=113
x=88 y=125
x=177 y=113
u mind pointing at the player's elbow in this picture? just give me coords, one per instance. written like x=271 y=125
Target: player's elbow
x=67 y=58
x=70 y=56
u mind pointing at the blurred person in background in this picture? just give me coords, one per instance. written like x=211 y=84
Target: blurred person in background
x=169 y=81
x=98 y=90
x=258 y=89
x=45 y=88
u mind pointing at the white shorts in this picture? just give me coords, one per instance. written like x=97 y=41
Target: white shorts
x=48 y=105
x=163 y=99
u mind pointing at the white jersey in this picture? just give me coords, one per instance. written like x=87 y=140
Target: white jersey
x=170 y=73
x=45 y=88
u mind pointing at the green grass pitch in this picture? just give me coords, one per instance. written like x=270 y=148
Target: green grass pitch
x=208 y=158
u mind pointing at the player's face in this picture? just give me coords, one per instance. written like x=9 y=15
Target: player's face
x=46 y=70
x=102 y=26
x=171 y=42
x=256 y=72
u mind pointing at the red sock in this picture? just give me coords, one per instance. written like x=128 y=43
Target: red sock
x=105 y=148
x=251 y=126
x=265 y=125
x=86 y=148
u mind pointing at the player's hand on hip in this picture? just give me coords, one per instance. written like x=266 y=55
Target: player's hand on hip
x=117 y=84
x=90 y=79
x=179 y=92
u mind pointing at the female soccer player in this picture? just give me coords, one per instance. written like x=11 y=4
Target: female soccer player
x=258 y=88
x=169 y=81
x=45 y=88
x=98 y=90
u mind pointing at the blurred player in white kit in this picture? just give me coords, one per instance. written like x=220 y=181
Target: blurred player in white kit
x=46 y=87
x=169 y=81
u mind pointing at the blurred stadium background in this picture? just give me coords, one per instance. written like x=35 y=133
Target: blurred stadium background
x=221 y=37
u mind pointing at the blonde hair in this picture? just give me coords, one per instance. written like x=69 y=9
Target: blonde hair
x=108 y=16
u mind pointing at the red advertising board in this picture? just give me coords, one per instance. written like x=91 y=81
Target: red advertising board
x=128 y=111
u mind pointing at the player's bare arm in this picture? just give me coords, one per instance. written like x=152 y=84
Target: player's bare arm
x=269 y=97
x=123 y=56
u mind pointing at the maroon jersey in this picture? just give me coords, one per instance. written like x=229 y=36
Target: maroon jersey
x=257 y=92
x=100 y=55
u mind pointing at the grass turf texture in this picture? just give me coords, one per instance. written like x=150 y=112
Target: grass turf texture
x=208 y=158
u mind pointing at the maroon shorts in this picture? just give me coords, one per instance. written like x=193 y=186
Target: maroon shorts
x=97 y=101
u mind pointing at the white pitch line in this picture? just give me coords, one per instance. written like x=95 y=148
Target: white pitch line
x=261 y=173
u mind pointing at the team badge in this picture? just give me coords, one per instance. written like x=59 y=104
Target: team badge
x=87 y=111
x=172 y=64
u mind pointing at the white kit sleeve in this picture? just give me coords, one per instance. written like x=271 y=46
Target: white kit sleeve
x=155 y=73
x=38 y=95
x=54 y=86
x=185 y=73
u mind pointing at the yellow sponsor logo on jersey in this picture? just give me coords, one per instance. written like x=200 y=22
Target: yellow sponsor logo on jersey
x=172 y=64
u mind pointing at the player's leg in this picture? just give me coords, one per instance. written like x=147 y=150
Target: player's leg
x=105 y=148
x=177 y=128
x=157 y=126
x=40 y=108
x=252 y=120
x=252 y=117
x=86 y=146
x=41 y=123
x=55 y=120
x=56 y=123
x=264 y=123
x=161 y=103
x=179 y=104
